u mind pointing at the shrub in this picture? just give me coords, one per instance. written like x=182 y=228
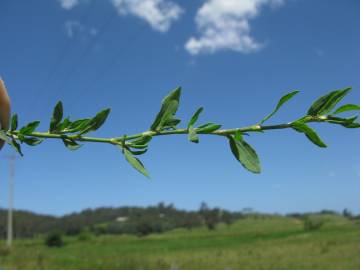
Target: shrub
x=4 y=251
x=312 y=223
x=84 y=236
x=54 y=240
x=100 y=229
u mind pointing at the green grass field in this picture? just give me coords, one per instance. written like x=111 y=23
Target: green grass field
x=254 y=244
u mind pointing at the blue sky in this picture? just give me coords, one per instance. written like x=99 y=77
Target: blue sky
x=234 y=57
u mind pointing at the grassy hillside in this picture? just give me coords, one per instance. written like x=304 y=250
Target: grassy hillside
x=254 y=244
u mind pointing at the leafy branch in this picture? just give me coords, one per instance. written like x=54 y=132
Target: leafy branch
x=72 y=133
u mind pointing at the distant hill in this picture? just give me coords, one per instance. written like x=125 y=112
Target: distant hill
x=126 y=220
x=27 y=224
x=129 y=220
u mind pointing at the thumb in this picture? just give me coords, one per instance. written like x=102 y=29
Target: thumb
x=4 y=109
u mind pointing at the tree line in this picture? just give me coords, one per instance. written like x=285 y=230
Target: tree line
x=139 y=221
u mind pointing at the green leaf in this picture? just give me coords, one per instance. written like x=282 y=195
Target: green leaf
x=169 y=107
x=71 y=144
x=281 y=102
x=345 y=122
x=192 y=135
x=21 y=137
x=142 y=140
x=325 y=104
x=346 y=108
x=352 y=125
x=135 y=162
x=99 y=119
x=171 y=123
x=96 y=122
x=4 y=137
x=309 y=132
x=14 y=122
x=195 y=117
x=77 y=125
x=333 y=119
x=137 y=146
x=13 y=143
x=137 y=153
x=56 y=117
x=29 y=128
x=244 y=153
x=64 y=124
x=32 y=141
x=207 y=128
x=351 y=119
x=16 y=146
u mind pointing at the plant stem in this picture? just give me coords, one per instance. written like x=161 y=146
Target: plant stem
x=121 y=139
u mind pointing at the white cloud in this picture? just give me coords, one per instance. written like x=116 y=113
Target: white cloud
x=160 y=14
x=73 y=28
x=224 y=25
x=69 y=4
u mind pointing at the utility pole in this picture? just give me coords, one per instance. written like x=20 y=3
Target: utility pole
x=11 y=160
